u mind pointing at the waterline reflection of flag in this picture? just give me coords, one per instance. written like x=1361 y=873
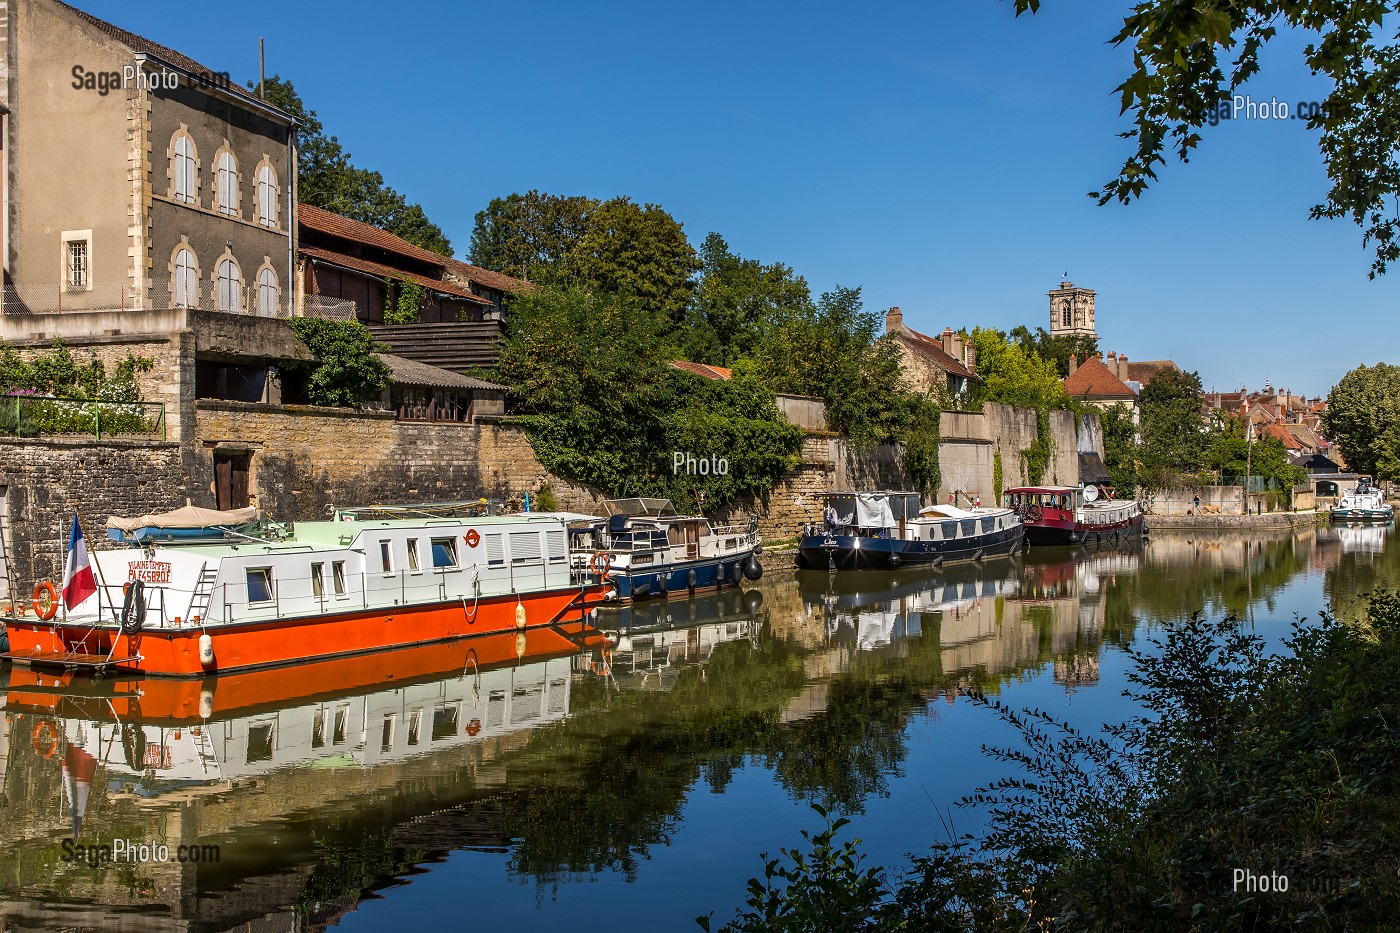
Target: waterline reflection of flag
x=78 y=581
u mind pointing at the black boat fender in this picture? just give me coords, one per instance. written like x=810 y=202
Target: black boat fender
x=752 y=568
x=133 y=607
x=894 y=560
x=690 y=578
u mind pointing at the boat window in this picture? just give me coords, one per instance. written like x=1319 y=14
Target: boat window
x=342 y=720
x=386 y=564
x=988 y=524
x=415 y=726
x=412 y=554
x=386 y=736
x=259 y=584
x=495 y=550
x=338 y=577
x=445 y=721
x=525 y=547
x=444 y=552
x=950 y=530
x=558 y=548
x=318 y=586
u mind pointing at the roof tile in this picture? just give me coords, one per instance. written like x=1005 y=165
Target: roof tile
x=1093 y=380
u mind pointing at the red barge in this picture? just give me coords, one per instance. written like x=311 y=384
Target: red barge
x=1074 y=514
x=330 y=589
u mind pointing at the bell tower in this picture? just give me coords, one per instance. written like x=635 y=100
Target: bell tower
x=1072 y=311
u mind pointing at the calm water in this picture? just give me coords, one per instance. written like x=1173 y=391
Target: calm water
x=540 y=785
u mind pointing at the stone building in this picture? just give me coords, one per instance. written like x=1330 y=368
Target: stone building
x=946 y=362
x=1094 y=383
x=1071 y=311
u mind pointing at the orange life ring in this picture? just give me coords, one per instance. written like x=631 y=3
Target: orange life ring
x=40 y=588
x=474 y=727
x=600 y=563
x=46 y=739
x=603 y=668
x=471 y=537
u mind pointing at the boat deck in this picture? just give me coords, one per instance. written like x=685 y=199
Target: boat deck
x=68 y=661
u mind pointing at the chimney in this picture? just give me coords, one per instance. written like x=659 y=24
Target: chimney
x=1073 y=363
x=894 y=321
x=953 y=344
x=1123 y=367
x=971 y=362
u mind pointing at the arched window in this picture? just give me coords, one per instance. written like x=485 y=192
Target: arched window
x=227 y=184
x=267 y=196
x=267 y=293
x=184 y=170
x=230 y=287
x=185 y=286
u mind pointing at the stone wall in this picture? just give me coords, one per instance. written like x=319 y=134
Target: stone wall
x=307 y=460
x=971 y=441
x=44 y=479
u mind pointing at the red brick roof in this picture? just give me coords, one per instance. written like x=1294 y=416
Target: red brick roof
x=704 y=369
x=164 y=53
x=932 y=348
x=1283 y=434
x=389 y=272
x=1143 y=372
x=1093 y=380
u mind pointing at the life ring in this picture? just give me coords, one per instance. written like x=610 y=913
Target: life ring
x=603 y=668
x=472 y=537
x=474 y=727
x=42 y=610
x=600 y=563
x=46 y=739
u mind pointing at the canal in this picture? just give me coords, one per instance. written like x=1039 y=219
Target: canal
x=541 y=782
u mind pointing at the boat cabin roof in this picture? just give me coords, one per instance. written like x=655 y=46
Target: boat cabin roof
x=1056 y=490
x=639 y=507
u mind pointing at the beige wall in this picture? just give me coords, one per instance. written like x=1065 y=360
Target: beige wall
x=68 y=157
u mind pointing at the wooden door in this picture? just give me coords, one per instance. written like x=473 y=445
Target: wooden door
x=692 y=540
x=231 y=470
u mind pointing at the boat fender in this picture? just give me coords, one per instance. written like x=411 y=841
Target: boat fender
x=894 y=560
x=45 y=610
x=690 y=578
x=133 y=607
x=752 y=568
x=758 y=549
x=519 y=613
x=753 y=601
x=206 y=703
x=663 y=582
x=206 y=650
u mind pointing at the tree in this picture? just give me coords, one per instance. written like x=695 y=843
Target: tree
x=1173 y=439
x=1057 y=349
x=640 y=249
x=1183 y=78
x=346 y=372
x=1233 y=455
x=326 y=178
x=1362 y=410
x=1013 y=375
x=1120 y=447
x=736 y=301
x=528 y=234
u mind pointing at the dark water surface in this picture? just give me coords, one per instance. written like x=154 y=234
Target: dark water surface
x=543 y=786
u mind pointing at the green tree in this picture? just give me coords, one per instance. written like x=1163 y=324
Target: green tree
x=529 y=234
x=1120 y=447
x=640 y=249
x=1361 y=410
x=736 y=301
x=326 y=178
x=1174 y=441
x=1013 y=375
x=346 y=372
x=1056 y=349
x=1233 y=455
x=1190 y=59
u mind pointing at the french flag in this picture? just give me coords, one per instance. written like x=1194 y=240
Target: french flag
x=78 y=582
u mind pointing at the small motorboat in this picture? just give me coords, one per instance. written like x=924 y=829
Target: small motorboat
x=1365 y=503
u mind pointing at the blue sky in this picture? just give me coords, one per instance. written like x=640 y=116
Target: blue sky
x=937 y=157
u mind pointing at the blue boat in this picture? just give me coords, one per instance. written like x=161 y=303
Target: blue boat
x=651 y=552
x=881 y=530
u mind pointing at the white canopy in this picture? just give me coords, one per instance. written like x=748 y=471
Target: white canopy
x=187 y=516
x=946 y=511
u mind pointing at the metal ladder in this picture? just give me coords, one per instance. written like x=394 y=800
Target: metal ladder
x=203 y=591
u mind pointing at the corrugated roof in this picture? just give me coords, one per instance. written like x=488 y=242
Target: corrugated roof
x=383 y=271
x=413 y=373
x=933 y=349
x=704 y=369
x=1094 y=380
x=165 y=54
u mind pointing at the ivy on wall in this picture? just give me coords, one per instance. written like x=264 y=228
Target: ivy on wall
x=406 y=300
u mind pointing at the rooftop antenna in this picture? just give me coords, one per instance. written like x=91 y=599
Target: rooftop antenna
x=262 y=67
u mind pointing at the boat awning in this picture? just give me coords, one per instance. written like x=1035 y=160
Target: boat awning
x=187 y=516
x=946 y=511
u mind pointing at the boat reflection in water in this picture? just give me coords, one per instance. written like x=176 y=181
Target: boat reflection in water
x=647 y=645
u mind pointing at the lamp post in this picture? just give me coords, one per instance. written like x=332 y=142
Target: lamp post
x=1248 y=460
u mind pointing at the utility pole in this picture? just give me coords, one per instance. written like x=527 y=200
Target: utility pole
x=262 y=67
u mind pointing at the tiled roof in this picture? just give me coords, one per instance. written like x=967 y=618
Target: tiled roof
x=1093 y=380
x=413 y=373
x=933 y=349
x=164 y=53
x=1283 y=434
x=1306 y=435
x=389 y=272
x=338 y=225
x=1144 y=371
x=703 y=369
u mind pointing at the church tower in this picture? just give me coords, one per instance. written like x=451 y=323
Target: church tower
x=1072 y=311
